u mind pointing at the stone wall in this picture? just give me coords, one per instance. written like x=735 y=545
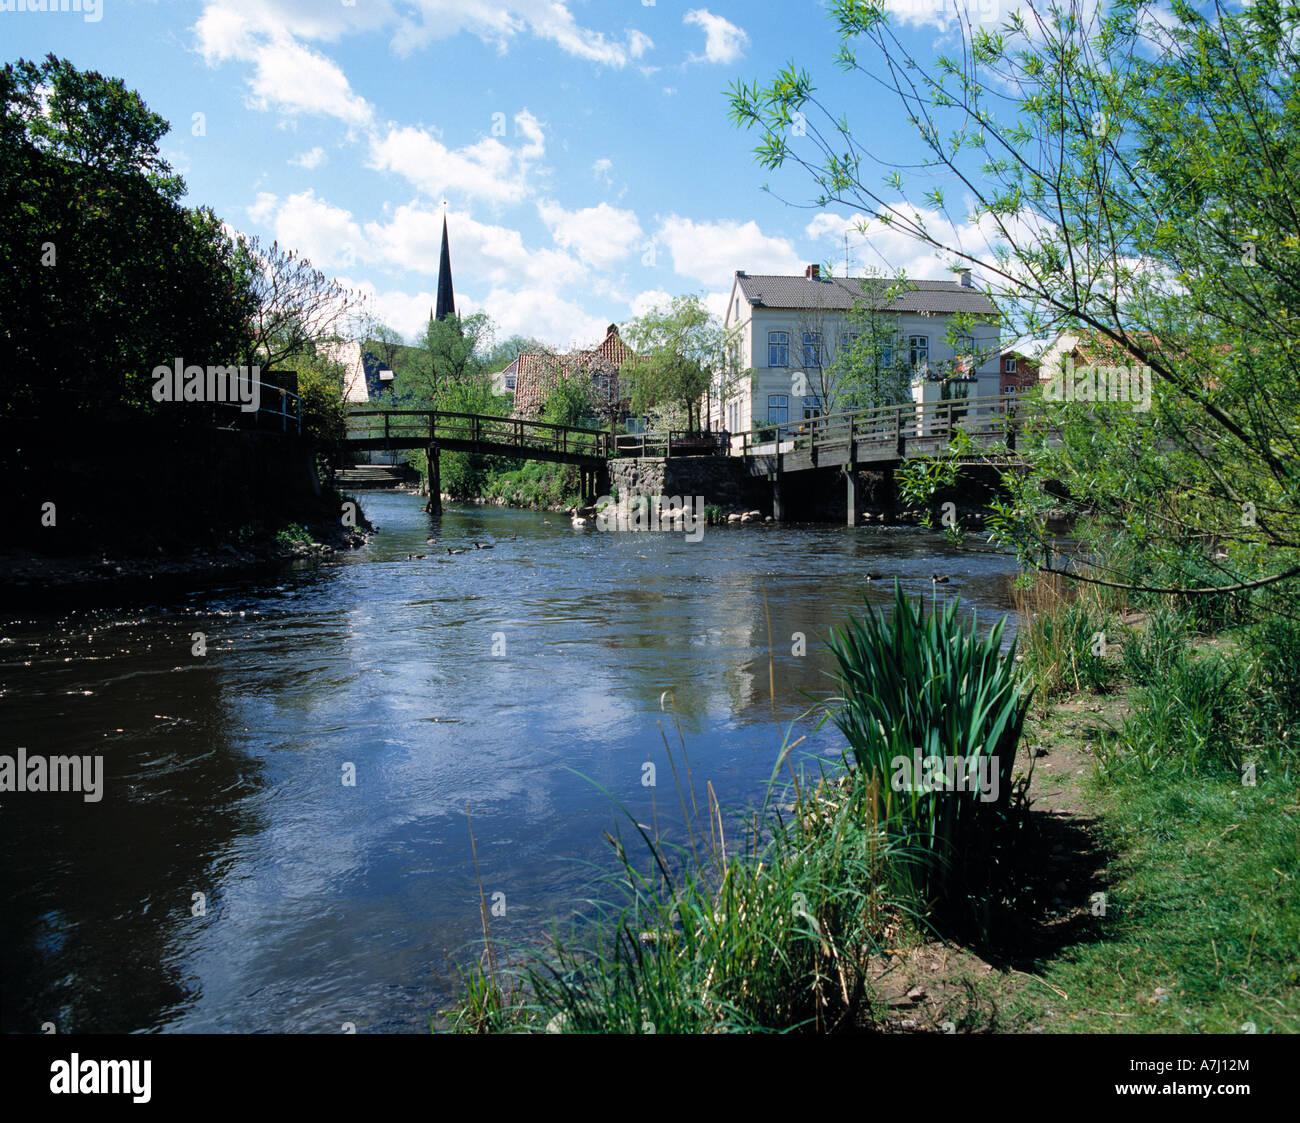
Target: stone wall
x=722 y=481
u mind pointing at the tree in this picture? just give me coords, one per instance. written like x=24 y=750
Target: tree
x=105 y=274
x=873 y=370
x=386 y=343
x=449 y=354
x=570 y=400
x=1136 y=182
x=294 y=304
x=681 y=350
x=503 y=352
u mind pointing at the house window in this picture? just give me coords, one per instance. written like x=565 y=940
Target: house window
x=778 y=408
x=510 y=382
x=600 y=384
x=918 y=350
x=778 y=348
x=812 y=349
x=965 y=344
x=1009 y=365
x=811 y=408
x=848 y=340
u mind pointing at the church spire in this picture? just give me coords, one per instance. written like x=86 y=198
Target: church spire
x=446 y=298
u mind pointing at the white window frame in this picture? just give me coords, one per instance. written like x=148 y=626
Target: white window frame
x=782 y=344
x=918 y=353
x=784 y=408
x=812 y=341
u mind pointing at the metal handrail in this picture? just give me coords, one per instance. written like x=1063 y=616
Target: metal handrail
x=283 y=413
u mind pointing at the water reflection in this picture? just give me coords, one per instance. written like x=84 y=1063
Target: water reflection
x=491 y=678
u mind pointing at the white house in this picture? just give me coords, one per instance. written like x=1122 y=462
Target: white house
x=790 y=330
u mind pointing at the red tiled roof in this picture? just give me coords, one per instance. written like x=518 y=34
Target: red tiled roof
x=536 y=374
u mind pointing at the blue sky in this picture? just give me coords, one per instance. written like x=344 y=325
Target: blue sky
x=582 y=146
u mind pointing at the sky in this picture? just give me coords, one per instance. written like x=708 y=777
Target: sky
x=580 y=149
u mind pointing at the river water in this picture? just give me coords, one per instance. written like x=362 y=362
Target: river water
x=520 y=680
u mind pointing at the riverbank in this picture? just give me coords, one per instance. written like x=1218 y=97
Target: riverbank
x=28 y=577
x=1154 y=885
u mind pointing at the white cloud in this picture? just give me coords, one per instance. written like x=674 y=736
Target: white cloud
x=487 y=169
x=945 y=13
x=723 y=40
x=263 y=209
x=711 y=252
x=411 y=241
x=601 y=169
x=502 y=22
x=499 y=22
x=649 y=300
x=888 y=248
x=601 y=236
x=326 y=235
x=540 y=312
x=310 y=160
x=286 y=75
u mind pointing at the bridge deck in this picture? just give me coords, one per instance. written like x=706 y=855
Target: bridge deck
x=382 y=430
x=871 y=437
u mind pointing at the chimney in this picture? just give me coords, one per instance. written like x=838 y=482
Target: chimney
x=611 y=330
x=964 y=275
x=813 y=273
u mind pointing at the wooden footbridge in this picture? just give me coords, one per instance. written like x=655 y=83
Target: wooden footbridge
x=875 y=438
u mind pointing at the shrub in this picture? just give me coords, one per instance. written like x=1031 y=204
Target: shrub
x=1154 y=653
x=1060 y=633
x=929 y=687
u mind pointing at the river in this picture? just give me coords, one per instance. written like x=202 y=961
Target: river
x=520 y=680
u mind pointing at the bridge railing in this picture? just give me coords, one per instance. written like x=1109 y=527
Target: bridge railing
x=411 y=425
x=277 y=408
x=670 y=442
x=999 y=414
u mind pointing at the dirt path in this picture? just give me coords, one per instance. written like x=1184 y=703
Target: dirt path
x=929 y=986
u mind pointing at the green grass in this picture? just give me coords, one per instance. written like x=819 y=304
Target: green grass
x=770 y=932
x=1202 y=925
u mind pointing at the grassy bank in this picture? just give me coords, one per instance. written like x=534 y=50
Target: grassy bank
x=1185 y=739
x=1139 y=871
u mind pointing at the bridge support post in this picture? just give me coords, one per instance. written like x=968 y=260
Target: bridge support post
x=851 y=495
x=435 y=479
x=778 y=500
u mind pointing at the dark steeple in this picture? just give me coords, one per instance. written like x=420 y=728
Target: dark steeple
x=446 y=298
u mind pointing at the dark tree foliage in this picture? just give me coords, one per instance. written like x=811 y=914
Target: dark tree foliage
x=105 y=274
